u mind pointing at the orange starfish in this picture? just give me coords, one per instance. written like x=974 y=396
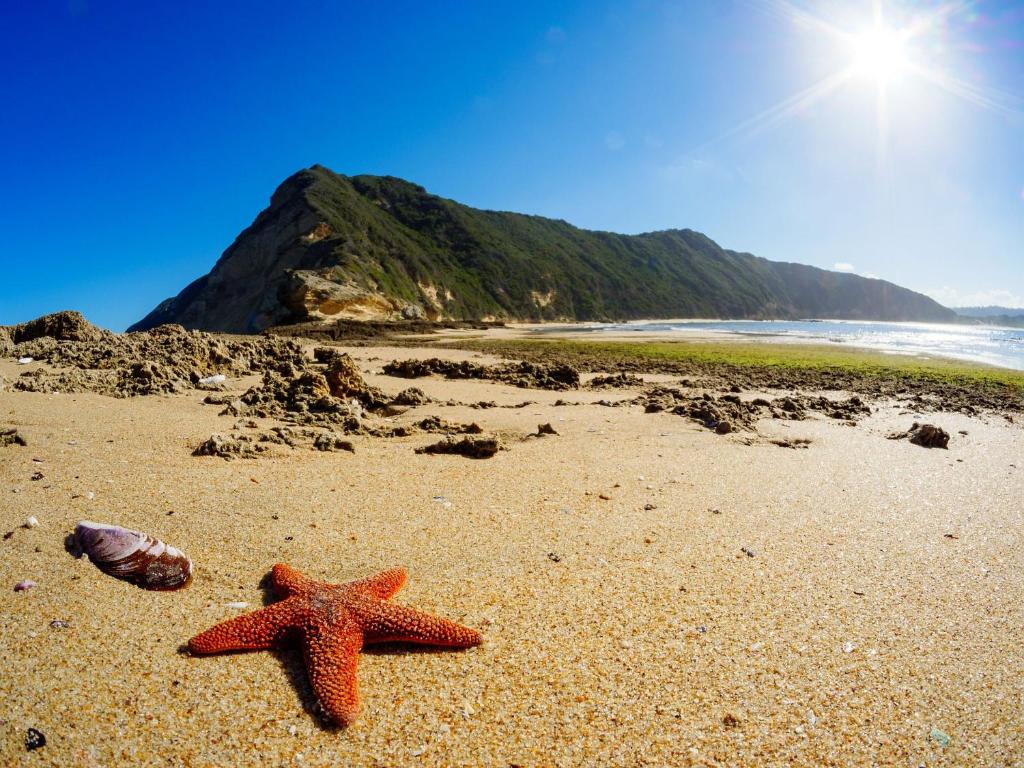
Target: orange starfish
x=334 y=621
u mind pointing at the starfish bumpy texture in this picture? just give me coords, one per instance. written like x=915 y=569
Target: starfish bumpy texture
x=334 y=622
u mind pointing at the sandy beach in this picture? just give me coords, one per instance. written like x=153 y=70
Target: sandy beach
x=650 y=592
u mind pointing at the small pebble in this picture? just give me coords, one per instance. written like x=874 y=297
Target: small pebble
x=60 y=624
x=941 y=737
x=238 y=604
x=31 y=522
x=554 y=557
x=21 y=586
x=34 y=739
x=747 y=551
x=848 y=647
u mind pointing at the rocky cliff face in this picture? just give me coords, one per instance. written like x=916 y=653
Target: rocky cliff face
x=379 y=248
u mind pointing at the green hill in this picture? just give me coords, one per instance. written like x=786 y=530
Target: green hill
x=373 y=247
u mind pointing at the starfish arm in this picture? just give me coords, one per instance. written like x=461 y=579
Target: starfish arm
x=386 y=622
x=331 y=658
x=252 y=632
x=382 y=585
x=288 y=581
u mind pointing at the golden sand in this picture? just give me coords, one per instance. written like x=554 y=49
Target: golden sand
x=885 y=597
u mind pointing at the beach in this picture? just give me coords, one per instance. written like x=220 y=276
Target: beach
x=649 y=592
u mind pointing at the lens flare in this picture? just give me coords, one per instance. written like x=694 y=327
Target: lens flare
x=880 y=53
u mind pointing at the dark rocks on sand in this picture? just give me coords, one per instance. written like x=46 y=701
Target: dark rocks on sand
x=328 y=441
x=545 y=429
x=228 y=447
x=411 y=396
x=925 y=435
x=723 y=428
x=555 y=376
x=471 y=447
x=10 y=436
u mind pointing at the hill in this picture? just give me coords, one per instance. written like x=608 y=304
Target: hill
x=369 y=247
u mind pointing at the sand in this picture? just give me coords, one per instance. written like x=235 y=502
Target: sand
x=884 y=598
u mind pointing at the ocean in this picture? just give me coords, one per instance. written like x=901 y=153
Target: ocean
x=1003 y=347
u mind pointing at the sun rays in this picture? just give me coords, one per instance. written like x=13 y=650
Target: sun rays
x=882 y=53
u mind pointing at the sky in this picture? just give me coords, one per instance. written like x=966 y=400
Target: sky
x=138 y=139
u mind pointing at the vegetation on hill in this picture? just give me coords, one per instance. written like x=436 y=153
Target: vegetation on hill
x=382 y=248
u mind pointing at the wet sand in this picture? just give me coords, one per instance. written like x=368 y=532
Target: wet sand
x=884 y=598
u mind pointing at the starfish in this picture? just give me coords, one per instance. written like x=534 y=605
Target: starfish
x=334 y=621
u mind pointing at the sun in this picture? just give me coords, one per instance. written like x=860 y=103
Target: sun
x=880 y=53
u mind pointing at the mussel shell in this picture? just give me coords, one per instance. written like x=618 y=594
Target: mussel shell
x=133 y=556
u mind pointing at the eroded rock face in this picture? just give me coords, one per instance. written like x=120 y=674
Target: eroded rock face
x=314 y=295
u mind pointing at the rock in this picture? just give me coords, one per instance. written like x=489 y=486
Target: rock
x=545 y=429
x=723 y=428
x=557 y=376
x=925 y=435
x=344 y=380
x=328 y=441
x=6 y=342
x=25 y=585
x=60 y=326
x=615 y=381
x=471 y=447
x=411 y=396
x=227 y=447
x=10 y=436
x=34 y=739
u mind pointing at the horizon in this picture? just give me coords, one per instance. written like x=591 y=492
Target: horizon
x=893 y=153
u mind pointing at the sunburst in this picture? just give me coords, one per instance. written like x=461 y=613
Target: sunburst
x=881 y=53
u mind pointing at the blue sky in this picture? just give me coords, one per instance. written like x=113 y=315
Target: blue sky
x=139 y=139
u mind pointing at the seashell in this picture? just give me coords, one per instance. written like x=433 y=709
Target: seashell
x=21 y=586
x=24 y=360
x=133 y=556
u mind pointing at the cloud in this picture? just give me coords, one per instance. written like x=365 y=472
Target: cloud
x=843 y=266
x=993 y=297
x=614 y=141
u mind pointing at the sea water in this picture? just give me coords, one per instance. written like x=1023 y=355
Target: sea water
x=992 y=345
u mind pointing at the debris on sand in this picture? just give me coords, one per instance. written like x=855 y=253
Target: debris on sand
x=229 y=447
x=729 y=412
x=344 y=380
x=164 y=360
x=545 y=429
x=791 y=442
x=411 y=396
x=329 y=441
x=34 y=739
x=555 y=376
x=472 y=447
x=621 y=380
x=925 y=435
x=11 y=436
